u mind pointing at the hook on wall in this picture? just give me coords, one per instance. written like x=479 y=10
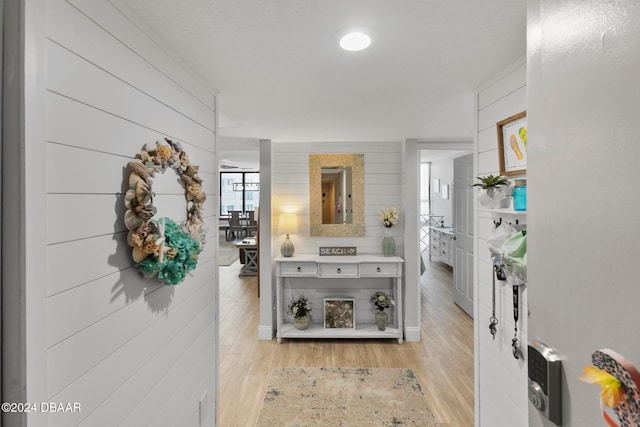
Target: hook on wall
x=499 y=222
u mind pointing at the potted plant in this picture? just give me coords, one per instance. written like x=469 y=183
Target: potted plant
x=493 y=191
x=381 y=301
x=300 y=309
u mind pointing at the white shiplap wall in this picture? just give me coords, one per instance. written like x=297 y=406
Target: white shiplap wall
x=501 y=392
x=290 y=193
x=442 y=169
x=130 y=350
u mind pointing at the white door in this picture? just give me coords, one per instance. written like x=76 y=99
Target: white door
x=463 y=232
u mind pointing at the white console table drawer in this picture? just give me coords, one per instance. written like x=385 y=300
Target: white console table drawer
x=379 y=270
x=338 y=270
x=442 y=244
x=298 y=269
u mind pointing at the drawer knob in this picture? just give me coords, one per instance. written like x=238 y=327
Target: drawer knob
x=298 y=269
x=339 y=270
x=378 y=269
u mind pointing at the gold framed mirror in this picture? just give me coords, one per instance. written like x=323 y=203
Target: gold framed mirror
x=336 y=194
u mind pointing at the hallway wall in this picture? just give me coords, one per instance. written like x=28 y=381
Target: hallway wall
x=442 y=169
x=383 y=172
x=129 y=350
x=501 y=392
x=382 y=175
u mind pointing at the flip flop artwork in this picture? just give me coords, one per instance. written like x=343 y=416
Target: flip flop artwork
x=620 y=382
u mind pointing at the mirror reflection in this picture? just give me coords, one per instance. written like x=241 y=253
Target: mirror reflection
x=336 y=194
x=337 y=206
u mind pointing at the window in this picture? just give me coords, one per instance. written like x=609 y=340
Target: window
x=239 y=191
x=425 y=188
x=425 y=204
x=251 y=190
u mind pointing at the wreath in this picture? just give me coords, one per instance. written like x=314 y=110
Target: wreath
x=163 y=248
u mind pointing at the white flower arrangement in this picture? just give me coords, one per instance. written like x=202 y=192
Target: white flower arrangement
x=388 y=217
x=300 y=307
x=382 y=300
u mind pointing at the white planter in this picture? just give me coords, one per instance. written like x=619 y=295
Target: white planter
x=493 y=198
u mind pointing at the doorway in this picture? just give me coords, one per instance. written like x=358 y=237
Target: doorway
x=463 y=232
x=328 y=196
x=446 y=212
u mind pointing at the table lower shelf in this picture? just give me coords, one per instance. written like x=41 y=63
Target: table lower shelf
x=318 y=331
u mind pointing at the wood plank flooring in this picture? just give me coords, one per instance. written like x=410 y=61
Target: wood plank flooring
x=442 y=360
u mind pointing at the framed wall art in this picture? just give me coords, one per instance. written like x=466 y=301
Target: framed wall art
x=339 y=313
x=512 y=144
x=445 y=191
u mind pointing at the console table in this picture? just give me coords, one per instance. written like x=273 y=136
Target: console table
x=249 y=252
x=349 y=274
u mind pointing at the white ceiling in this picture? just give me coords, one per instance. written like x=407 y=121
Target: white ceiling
x=238 y=154
x=280 y=75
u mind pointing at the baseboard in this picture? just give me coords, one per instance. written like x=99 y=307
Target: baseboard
x=412 y=334
x=265 y=332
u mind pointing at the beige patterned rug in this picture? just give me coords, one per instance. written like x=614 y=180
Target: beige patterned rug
x=227 y=252
x=350 y=397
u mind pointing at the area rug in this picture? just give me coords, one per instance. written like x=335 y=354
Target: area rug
x=350 y=397
x=227 y=252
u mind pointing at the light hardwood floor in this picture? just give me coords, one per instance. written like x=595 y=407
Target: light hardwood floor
x=442 y=360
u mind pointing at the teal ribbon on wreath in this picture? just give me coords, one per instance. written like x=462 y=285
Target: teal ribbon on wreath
x=173 y=270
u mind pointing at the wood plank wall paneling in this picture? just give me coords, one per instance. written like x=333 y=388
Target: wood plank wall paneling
x=383 y=172
x=501 y=396
x=162 y=339
x=383 y=175
x=71 y=76
x=63 y=272
x=115 y=339
x=95 y=45
x=104 y=132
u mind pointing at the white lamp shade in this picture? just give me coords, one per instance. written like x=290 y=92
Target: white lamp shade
x=288 y=224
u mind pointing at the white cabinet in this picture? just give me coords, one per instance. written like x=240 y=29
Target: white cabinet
x=441 y=244
x=357 y=277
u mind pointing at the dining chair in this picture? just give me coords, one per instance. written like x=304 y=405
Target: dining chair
x=235 y=227
x=252 y=223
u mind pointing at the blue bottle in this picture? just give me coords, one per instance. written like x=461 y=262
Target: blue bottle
x=520 y=195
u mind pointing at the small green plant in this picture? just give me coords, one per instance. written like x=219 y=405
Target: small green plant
x=381 y=300
x=491 y=181
x=299 y=307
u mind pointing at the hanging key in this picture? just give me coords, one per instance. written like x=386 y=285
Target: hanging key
x=493 y=322
x=515 y=343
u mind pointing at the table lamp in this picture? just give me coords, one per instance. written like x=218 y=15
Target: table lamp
x=288 y=224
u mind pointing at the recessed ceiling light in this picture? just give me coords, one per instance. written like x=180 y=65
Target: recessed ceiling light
x=355 y=41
